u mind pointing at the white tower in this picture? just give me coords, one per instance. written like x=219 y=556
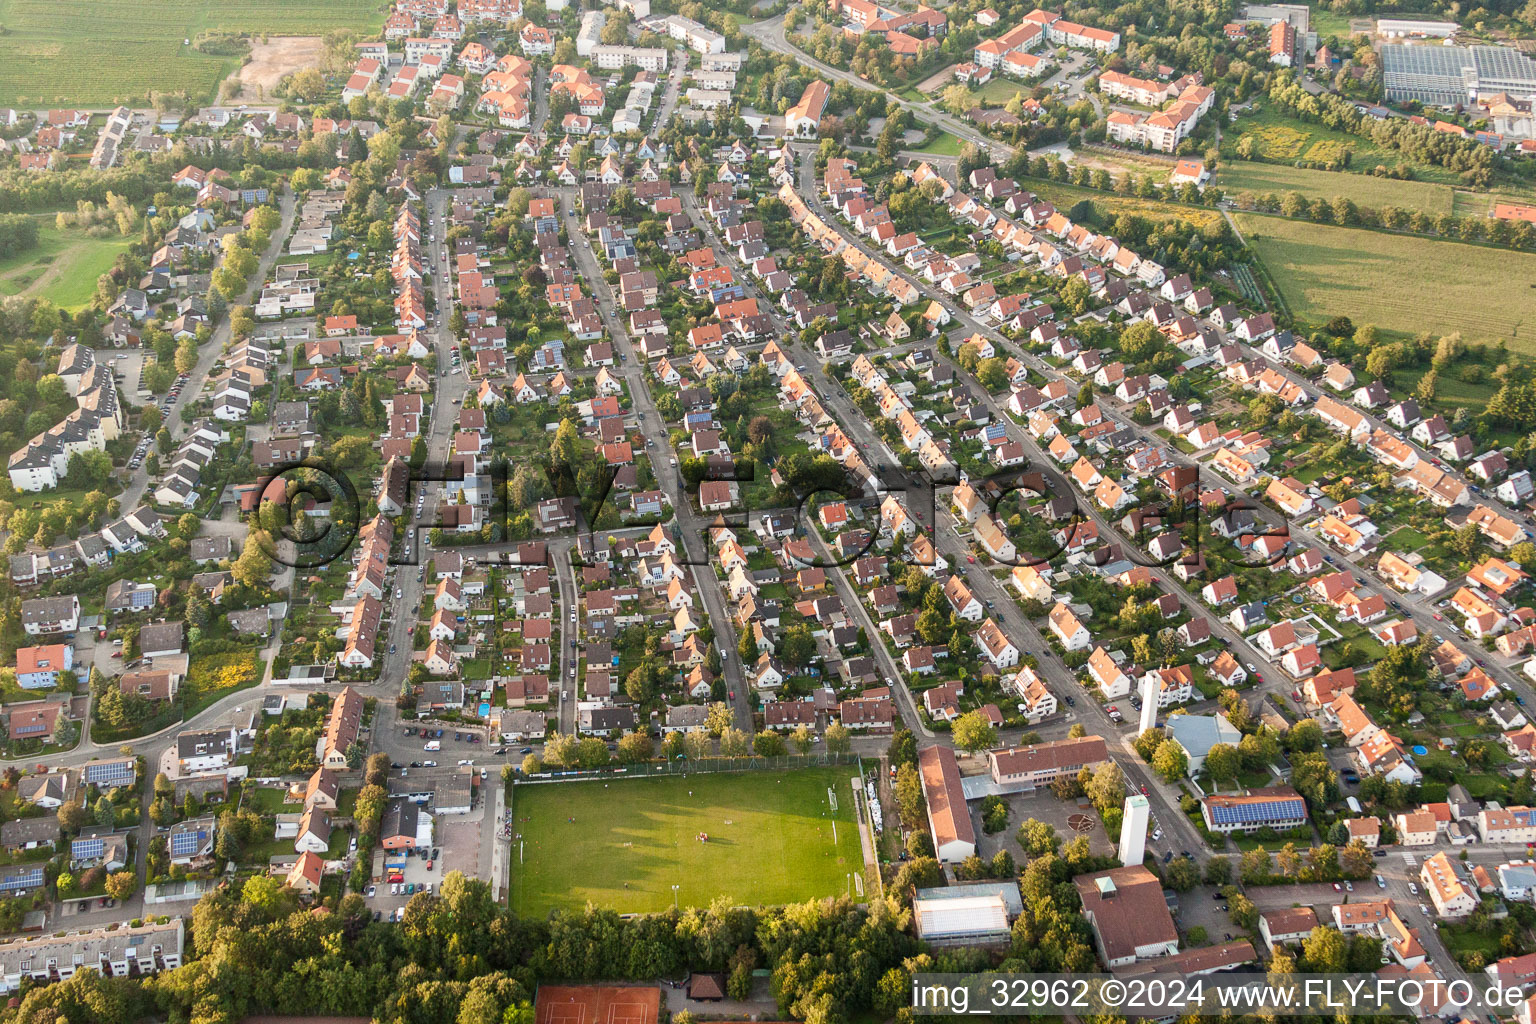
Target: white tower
x=1133 y=830
x=1149 y=697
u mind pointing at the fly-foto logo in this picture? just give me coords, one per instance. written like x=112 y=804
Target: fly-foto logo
x=310 y=514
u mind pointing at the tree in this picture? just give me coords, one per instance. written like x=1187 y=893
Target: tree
x=104 y=811
x=635 y=747
x=797 y=645
x=769 y=744
x=992 y=374
x=592 y=752
x=121 y=885
x=1306 y=736
x=1288 y=860
x=802 y=739
x=734 y=742
x=308 y=84
x=565 y=448
x=1105 y=786
x=560 y=750
x=1181 y=874
x=719 y=718
x=909 y=796
x=837 y=738
x=1256 y=866
x=263 y=892
x=747 y=647
x=1324 y=951
x=1146 y=743
x=1222 y=763
x=71 y=817
x=254 y=567
x=1464 y=540
x=1038 y=838
x=1356 y=859
x=1170 y=761
x=533 y=764
x=972 y=732
x=994 y=814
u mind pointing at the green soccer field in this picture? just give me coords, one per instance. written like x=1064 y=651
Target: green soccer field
x=770 y=841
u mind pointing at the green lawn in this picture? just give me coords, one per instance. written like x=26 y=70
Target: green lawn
x=770 y=841
x=945 y=145
x=101 y=52
x=999 y=91
x=1406 y=539
x=1396 y=282
x=1327 y=23
x=269 y=800
x=64 y=265
x=1364 y=190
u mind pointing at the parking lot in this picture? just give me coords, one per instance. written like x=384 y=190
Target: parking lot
x=414 y=746
x=459 y=843
x=390 y=897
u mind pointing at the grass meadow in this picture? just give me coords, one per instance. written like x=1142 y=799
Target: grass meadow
x=1398 y=282
x=770 y=841
x=63 y=267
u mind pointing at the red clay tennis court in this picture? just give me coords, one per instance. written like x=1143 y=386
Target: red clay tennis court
x=597 y=1004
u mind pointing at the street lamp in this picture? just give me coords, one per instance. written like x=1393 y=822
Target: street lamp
x=674 y=897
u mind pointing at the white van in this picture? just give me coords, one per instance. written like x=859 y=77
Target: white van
x=433 y=745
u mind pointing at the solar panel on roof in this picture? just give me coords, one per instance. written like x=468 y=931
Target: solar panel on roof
x=1257 y=813
x=31 y=878
x=87 y=849
x=112 y=773
x=184 y=843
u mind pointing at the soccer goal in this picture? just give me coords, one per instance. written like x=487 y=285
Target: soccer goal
x=832 y=799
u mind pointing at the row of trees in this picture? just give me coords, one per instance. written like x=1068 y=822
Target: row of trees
x=719 y=738
x=1340 y=210
x=460 y=957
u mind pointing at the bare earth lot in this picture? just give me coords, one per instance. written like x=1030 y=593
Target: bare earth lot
x=273 y=59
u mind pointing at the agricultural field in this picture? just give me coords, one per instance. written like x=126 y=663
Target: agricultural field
x=63 y=267
x=1245 y=176
x=1396 y=282
x=97 y=53
x=625 y=844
